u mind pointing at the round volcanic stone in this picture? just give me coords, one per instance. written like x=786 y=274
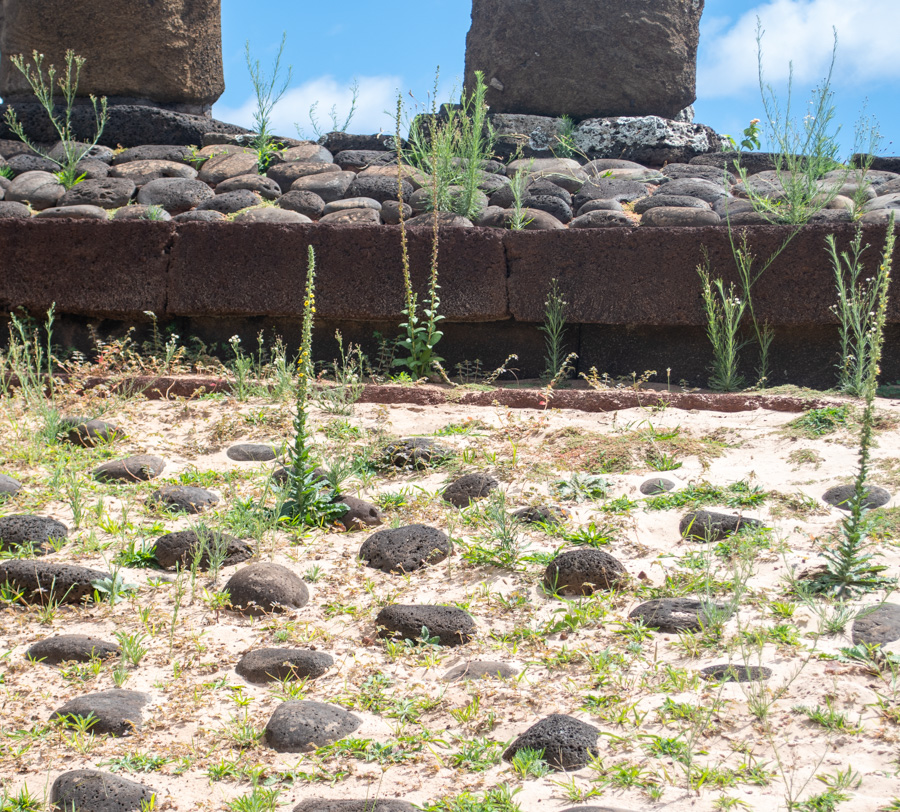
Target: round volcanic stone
x=154 y=152
x=451 y=625
x=9 y=486
x=266 y=587
x=138 y=468
x=878 y=627
x=11 y=210
x=404 y=549
x=568 y=743
x=542 y=514
x=601 y=218
x=118 y=712
x=677 y=217
x=72 y=647
x=251 y=452
x=306 y=203
x=378 y=187
x=22 y=530
x=73 y=213
x=270 y=214
x=231 y=202
x=360 y=514
x=44 y=581
x=92 y=433
x=298 y=727
x=195 y=216
x=583 y=572
x=550 y=204
x=657 y=485
x=480 y=669
x=108 y=193
x=184 y=497
x=669 y=201
x=390 y=212
x=840 y=495
x=268 y=664
x=94 y=791
x=706 y=190
x=263 y=186
x=181 y=547
x=414 y=452
x=672 y=614
x=355 y=805
x=728 y=672
x=175 y=195
x=707 y=525
x=469 y=488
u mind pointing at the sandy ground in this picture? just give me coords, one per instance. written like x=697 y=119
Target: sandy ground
x=198 y=699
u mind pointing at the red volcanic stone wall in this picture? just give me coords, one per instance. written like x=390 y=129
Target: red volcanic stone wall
x=616 y=276
x=648 y=276
x=248 y=270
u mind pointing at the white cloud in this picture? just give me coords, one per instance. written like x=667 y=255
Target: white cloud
x=800 y=31
x=374 y=107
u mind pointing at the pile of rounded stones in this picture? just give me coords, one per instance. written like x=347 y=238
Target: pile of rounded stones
x=356 y=180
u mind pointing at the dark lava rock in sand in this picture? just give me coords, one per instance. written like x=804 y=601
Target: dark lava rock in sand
x=181 y=547
x=184 y=497
x=251 y=452
x=707 y=525
x=451 y=625
x=118 y=712
x=728 y=672
x=568 y=743
x=92 y=433
x=582 y=572
x=68 y=647
x=541 y=514
x=360 y=514
x=9 y=486
x=840 y=495
x=404 y=549
x=94 y=791
x=22 y=530
x=266 y=587
x=42 y=581
x=415 y=452
x=878 y=627
x=355 y=805
x=298 y=727
x=672 y=614
x=138 y=468
x=480 y=669
x=469 y=488
x=656 y=486
x=268 y=664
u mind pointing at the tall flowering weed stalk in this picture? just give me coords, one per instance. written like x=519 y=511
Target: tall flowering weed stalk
x=851 y=565
x=861 y=301
x=421 y=332
x=310 y=501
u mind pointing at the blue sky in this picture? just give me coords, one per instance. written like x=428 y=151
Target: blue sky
x=394 y=46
